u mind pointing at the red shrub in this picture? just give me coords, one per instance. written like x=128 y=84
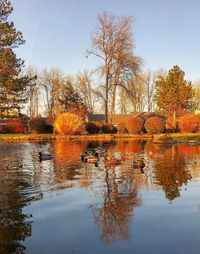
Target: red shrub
x=189 y=123
x=135 y=125
x=14 y=126
x=121 y=127
x=155 y=125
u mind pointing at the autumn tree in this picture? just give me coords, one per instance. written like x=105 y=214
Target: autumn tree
x=112 y=43
x=173 y=93
x=14 y=87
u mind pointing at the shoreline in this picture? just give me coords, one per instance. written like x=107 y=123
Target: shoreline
x=36 y=137
x=171 y=138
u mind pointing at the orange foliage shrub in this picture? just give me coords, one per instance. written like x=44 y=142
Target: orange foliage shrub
x=14 y=126
x=121 y=127
x=189 y=123
x=155 y=125
x=68 y=124
x=135 y=125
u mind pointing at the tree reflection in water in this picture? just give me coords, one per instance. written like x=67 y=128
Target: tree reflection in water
x=170 y=168
x=15 y=225
x=114 y=217
x=116 y=185
x=120 y=196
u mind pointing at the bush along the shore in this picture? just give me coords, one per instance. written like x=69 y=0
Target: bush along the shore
x=154 y=125
x=108 y=128
x=135 y=125
x=121 y=127
x=69 y=124
x=97 y=128
x=40 y=125
x=14 y=126
x=189 y=123
x=92 y=128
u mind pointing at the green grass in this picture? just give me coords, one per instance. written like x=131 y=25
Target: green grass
x=181 y=137
x=186 y=136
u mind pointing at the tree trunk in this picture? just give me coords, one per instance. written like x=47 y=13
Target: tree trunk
x=112 y=109
x=106 y=100
x=174 y=121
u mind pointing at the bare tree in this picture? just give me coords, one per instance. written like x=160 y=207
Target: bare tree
x=123 y=101
x=196 y=97
x=150 y=78
x=112 y=43
x=52 y=82
x=138 y=100
x=84 y=86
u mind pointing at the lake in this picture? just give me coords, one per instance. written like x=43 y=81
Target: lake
x=64 y=205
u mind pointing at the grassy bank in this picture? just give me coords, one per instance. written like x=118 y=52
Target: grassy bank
x=177 y=138
x=13 y=137
x=185 y=137
x=174 y=137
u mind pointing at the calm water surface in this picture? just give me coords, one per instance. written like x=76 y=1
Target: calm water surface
x=67 y=206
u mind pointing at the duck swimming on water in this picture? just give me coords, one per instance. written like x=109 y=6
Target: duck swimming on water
x=112 y=160
x=90 y=158
x=84 y=155
x=43 y=156
x=138 y=164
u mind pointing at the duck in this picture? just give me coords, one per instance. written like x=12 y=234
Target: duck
x=43 y=156
x=84 y=155
x=90 y=158
x=111 y=160
x=138 y=164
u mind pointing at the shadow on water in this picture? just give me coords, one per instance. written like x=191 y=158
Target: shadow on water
x=115 y=186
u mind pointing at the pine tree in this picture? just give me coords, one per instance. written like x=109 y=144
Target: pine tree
x=72 y=101
x=14 y=87
x=174 y=93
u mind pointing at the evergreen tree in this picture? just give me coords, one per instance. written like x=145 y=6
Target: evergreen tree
x=14 y=87
x=72 y=100
x=174 y=93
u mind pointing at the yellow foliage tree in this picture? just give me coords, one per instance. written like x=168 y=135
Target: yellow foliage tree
x=68 y=123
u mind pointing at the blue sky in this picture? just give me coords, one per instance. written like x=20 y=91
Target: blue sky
x=57 y=33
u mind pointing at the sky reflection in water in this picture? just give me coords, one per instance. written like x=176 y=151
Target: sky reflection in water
x=66 y=206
